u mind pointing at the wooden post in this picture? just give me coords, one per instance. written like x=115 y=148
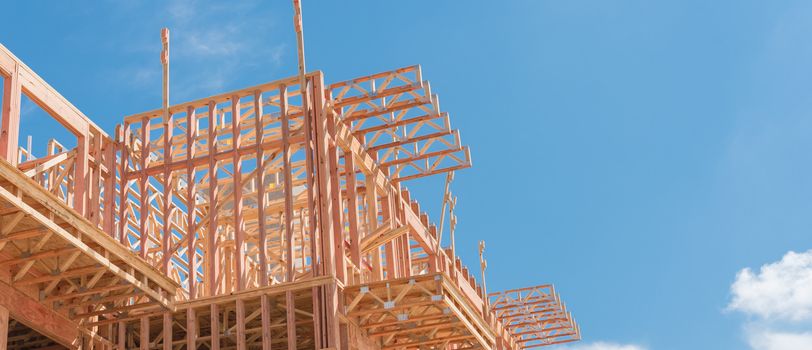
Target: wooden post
x=215 y=327
x=391 y=253
x=10 y=125
x=212 y=251
x=352 y=210
x=191 y=329
x=109 y=151
x=265 y=315
x=288 y=186
x=167 y=185
x=144 y=187
x=372 y=224
x=94 y=178
x=334 y=195
x=124 y=146
x=290 y=313
x=81 y=172
x=446 y=199
x=122 y=336
x=167 y=331
x=452 y=225
x=260 y=171
x=239 y=234
x=191 y=205
x=3 y=328
x=240 y=324
x=483 y=264
x=144 y=333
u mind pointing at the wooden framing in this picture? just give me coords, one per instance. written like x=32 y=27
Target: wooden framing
x=535 y=316
x=274 y=216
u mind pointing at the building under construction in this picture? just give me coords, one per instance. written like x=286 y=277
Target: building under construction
x=271 y=217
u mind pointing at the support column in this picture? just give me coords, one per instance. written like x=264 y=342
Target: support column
x=3 y=328
x=290 y=313
x=215 y=327
x=122 y=336
x=144 y=333
x=265 y=314
x=144 y=187
x=352 y=212
x=239 y=233
x=191 y=201
x=212 y=252
x=288 y=186
x=123 y=138
x=328 y=330
x=81 y=168
x=240 y=325
x=167 y=331
x=191 y=329
x=10 y=126
x=260 y=195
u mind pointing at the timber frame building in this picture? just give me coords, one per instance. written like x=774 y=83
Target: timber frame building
x=271 y=217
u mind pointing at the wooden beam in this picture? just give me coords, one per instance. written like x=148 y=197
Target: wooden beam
x=28 y=311
x=33 y=190
x=381 y=236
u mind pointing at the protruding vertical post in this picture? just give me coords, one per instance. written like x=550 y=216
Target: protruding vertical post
x=167 y=158
x=483 y=264
x=446 y=198
x=452 y=225
x=165 y=64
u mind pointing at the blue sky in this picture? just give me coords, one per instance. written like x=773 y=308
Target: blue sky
x=641 y=155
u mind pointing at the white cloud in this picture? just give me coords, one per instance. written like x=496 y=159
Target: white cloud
x=780 y=290
x=771 y=340
x=601 y=346
x=778 y=299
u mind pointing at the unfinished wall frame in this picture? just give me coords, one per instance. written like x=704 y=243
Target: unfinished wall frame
x=243 y=220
